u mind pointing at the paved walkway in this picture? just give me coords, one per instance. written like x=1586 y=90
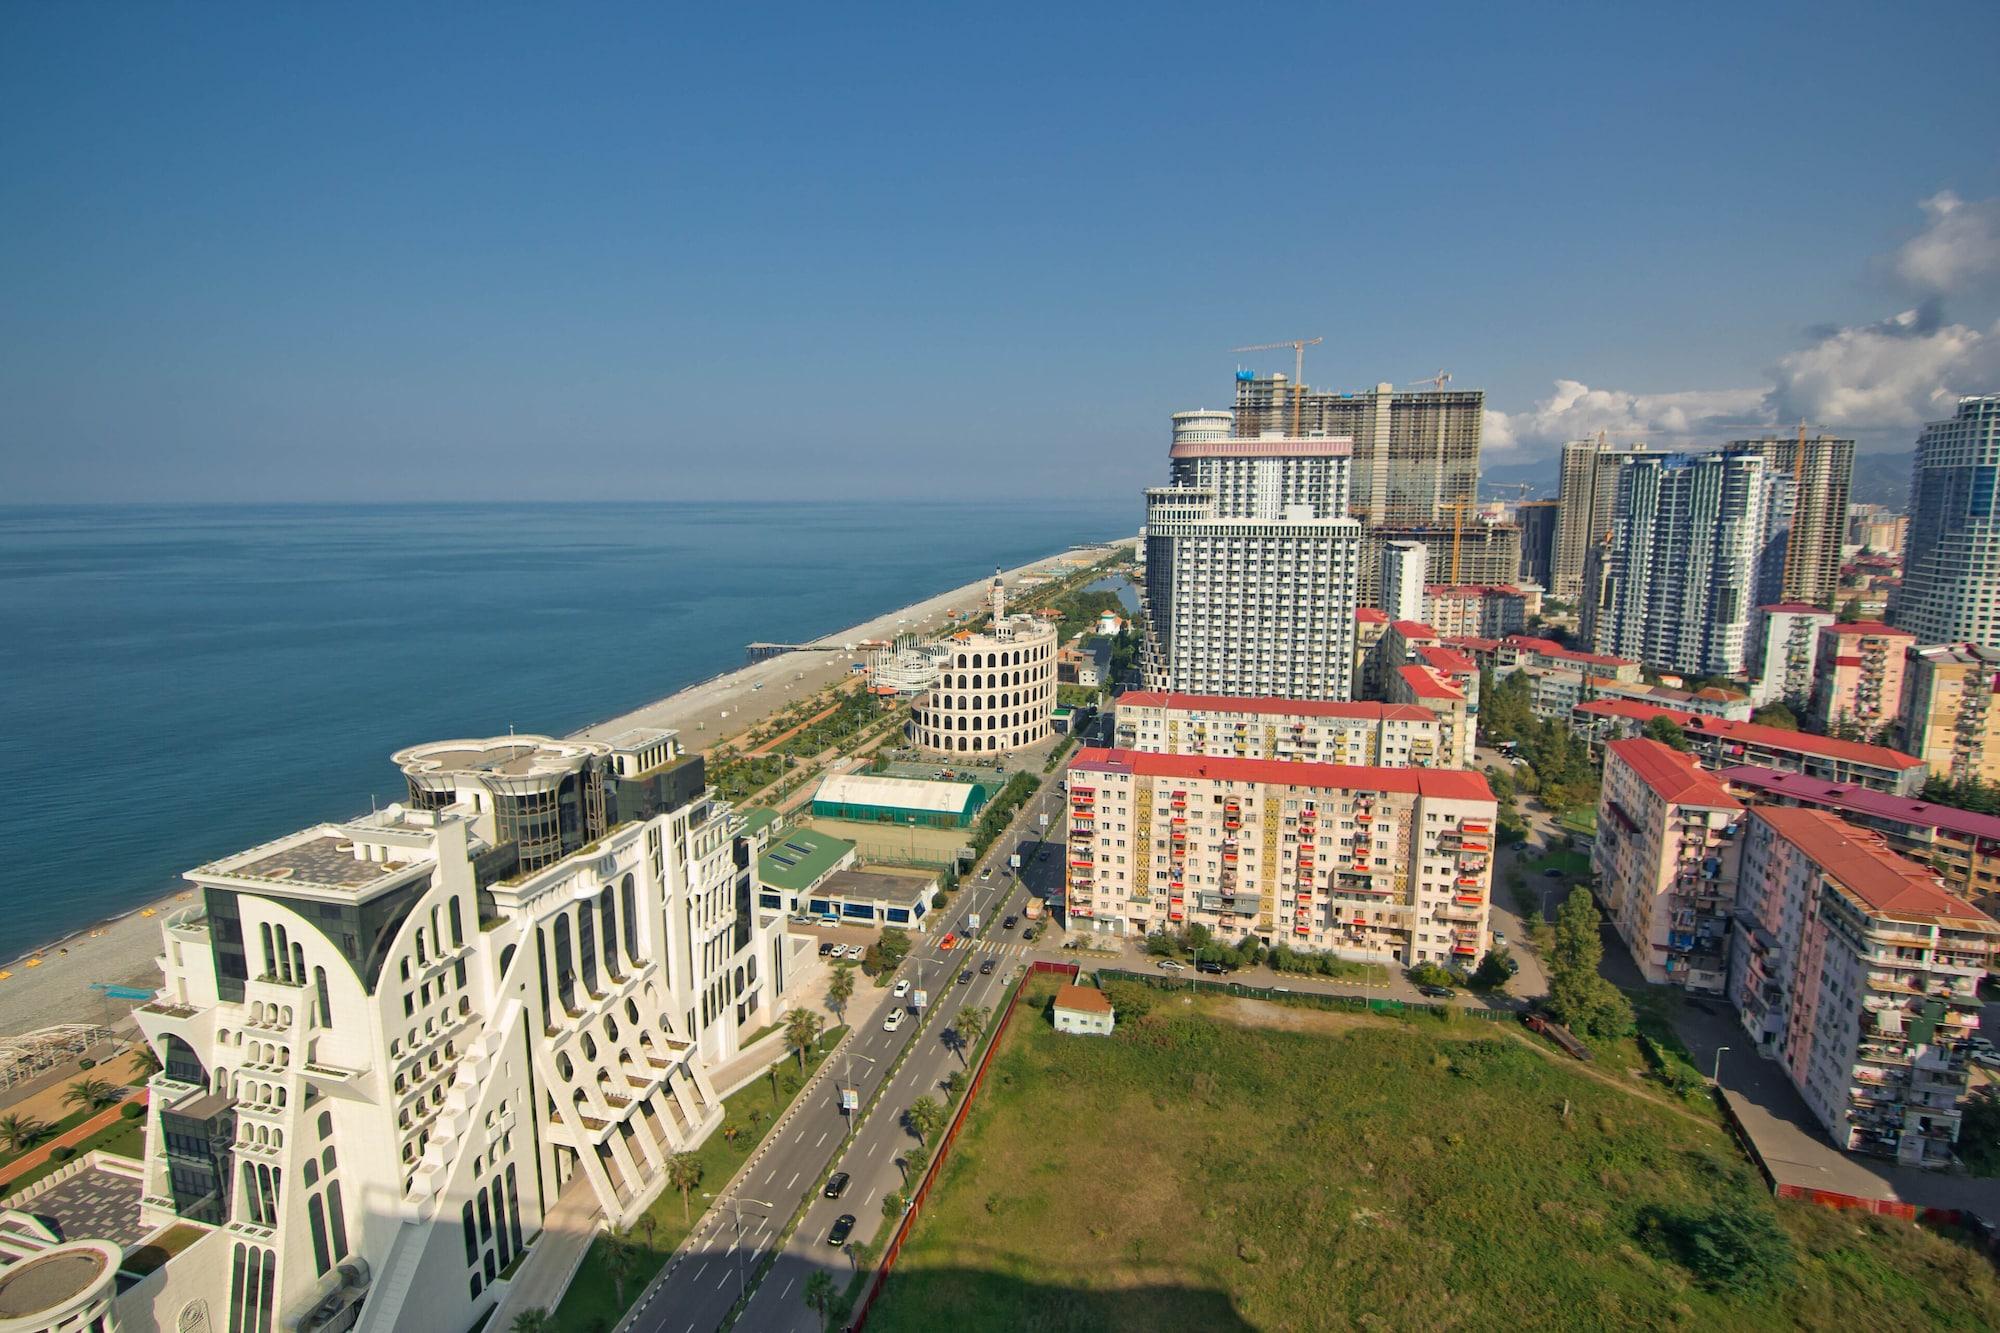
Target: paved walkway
x=28 y=1161
x=567 y=1230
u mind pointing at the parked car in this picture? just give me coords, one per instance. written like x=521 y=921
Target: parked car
x=1213 y=968
x=829 y=920
x=826 y=947
x=1553 y=873
x=857 y=952
x=1437 y=992
x=842 y=1225
x=1172 y=965
x=1010 y=923
x=986 y=873
x=893 y=1021
x=902 y=988
x=836 y=1185
x=1028 y=934
x=1990 y=1059
x=965 y=976
x=986 y=968
x=1498 y=938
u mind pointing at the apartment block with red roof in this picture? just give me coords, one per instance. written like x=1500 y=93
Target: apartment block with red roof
x=1524 y=650
x=1388 y=865
x=1949 y=712
x=1309 y=730
x=1784 y=652
x=1858 y=973
x=1858 y=682
x=1425 y=687
x=1482 y=610
x=1665 y=857
x=1719 y=743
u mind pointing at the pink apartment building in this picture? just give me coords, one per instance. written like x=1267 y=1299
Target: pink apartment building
x=1858 y=678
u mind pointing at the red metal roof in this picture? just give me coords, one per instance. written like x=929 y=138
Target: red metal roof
x=1229 y=703
x=1873 y=628
x=1424 y=683
x=1860 y=863
x=1445 y=659
x=1751 y=733
x=1550 y=648
x=1414 y=629
x=1471 y=643
x=1673 y=775
x=1371 y=615
x=1452 y=783
x=1852 y=796
x=1085 y=998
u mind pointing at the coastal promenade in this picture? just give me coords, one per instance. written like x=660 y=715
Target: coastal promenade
x=53 y=984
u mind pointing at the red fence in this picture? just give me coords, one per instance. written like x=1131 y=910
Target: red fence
x=1909 y=1212
x=945 y=1142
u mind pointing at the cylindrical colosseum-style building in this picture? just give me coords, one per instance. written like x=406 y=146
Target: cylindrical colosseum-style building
x=995 y=691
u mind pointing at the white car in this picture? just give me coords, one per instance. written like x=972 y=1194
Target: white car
x=893 y=1021
x=857 y=952
x=902 y=988
x=1169 y=965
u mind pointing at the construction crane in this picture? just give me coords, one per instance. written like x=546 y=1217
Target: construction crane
x=1298 y=346
x=1457 y=508
x=1437 y=381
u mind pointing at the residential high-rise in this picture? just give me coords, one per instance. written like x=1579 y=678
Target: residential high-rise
x=1950 y=591
x=1784 y=653
x=1820 y=470
x=1539 y=521
x=1360 y=734
x=1404 y=566
x=1859 y=973
x=1858 y=681
x=1588 y=491
x=1251 y=570
x=1682 y=562
x=1950 y=718
x=1471 y=551
x=389 y=1045
x=1392 y=865
x=1415 y=454
x=1666 y=861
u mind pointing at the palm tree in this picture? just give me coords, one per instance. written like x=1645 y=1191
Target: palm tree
x=820 y=1297
x=954 y=1085
x=802 y=1029
x=731 y=1132
x=621 y=1262
x=971 y=1021
x=684 y=1173
x=925 y=1118
x=841 y=989
x=146 y=1060
x=20 y=1132
x=534 y=1319
x=89 y=1094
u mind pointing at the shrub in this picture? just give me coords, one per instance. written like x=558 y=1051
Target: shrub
x=131 y=1110
x=1430 y=974
x=86 y=1063
x=1131 y=999
x=1735 y=1247
x=62 y=1153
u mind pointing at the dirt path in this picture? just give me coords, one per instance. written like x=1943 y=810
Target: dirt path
x=1554 y=1056
x=787 y=734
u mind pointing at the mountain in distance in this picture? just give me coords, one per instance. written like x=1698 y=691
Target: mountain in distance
x=1882 y=479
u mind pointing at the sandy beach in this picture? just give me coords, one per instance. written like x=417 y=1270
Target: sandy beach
x=53 y=984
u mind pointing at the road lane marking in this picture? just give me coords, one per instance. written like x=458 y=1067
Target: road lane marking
x=788 y=1287
x=795 y=1180
x=822 y=1139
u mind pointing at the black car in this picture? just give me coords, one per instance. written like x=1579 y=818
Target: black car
x=1028 y=934
x=1437 y=992
x=1211 y=967
x=841 y=1226
x=986 y=968
x=1553 y=873
x=965 y=976
x=825 y=948
x=836 y=1185
x=1010 y=923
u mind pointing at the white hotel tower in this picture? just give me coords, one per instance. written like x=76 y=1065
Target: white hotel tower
x=1252 y=566
x=391 y=1045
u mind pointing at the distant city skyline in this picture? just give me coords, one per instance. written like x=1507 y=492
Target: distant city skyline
x=626 y=254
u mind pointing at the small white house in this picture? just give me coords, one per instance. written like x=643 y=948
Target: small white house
x=1084 y=1011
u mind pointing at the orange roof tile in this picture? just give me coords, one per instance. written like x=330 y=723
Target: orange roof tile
x=1674 y=776
x=1862 y=864
x=1451 y=783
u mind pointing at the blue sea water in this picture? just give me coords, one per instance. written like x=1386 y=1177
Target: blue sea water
x=179 y=682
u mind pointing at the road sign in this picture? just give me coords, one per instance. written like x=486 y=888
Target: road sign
x=850 y=1100
x=1014 y=861
x=1044 y=816
x=920 y=1000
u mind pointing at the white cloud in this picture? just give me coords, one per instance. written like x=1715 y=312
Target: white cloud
x=1885 y=378
x=1960 y=246
x=1897 y=373
x=1576 y=410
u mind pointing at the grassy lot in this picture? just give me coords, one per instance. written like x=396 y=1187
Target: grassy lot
x=1583 y=820
x=591 y=1303
x=1234 y=1165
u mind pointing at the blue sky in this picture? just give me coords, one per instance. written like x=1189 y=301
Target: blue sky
x=481 y=251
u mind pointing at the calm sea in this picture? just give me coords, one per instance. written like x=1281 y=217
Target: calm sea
x=180 y=682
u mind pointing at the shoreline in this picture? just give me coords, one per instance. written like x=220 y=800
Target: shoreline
x=50 y=984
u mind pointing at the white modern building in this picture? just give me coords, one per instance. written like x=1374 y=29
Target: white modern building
x=1251 y=570
x=391 y=1045
x=995 y=691
x=1683 y=564
x=1950 y=591
x=1405 y=567
x=1784 y=653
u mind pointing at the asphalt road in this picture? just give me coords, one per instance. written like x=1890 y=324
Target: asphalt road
x=696 y=1292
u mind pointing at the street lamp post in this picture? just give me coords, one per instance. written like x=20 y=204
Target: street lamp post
x=736 y=1214
x=1715 y=1075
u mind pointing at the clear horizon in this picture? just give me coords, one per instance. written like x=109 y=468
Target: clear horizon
x=269 y=256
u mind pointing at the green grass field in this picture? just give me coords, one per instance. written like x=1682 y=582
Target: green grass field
x=1204 y=1170
x=591 y=1304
